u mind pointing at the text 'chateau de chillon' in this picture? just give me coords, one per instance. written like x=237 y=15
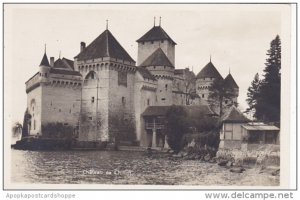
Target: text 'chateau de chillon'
x=105 y=93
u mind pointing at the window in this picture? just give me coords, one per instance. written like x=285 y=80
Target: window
x=162 y=41
x=148 y=102
x=163 y=99
x=90 y=118
x=152 y=42
x=226 y=101
x=202 y=95
x=93 y=99
x=166 y=87
x=122 y=78
x=123 y=101
x=46 y=75
x=143 y=43
x=33 y=124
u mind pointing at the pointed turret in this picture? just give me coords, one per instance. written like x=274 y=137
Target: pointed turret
x=209 y=71
x=45 y=61
x=230 y=82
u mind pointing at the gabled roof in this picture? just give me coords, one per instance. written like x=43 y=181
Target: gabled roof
x=105 y=45
x=235 y=116
x=191 y=110
x=145 y=73
x=209 y=71
x=45 y=61
x=64 y=72
x=154 y=34
x=64 y=64
x=157 y=58
x=230 y=82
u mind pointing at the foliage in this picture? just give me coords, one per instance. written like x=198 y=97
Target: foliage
x=218 y=93
x=122 y=128
x=176 y=126
x=267 y=101
x=16 y=129
x=253 y=94
x=57 y=130
x=26 y=120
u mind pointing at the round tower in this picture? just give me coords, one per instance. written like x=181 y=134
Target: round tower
x=204 y=80
x=44 y=68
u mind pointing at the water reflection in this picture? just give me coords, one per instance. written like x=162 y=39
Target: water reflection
x=109 y=167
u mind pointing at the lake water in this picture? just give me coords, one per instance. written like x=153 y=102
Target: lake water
x=124 y=167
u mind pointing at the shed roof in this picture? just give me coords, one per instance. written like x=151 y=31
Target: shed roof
x=234 y=115
x=263 y=127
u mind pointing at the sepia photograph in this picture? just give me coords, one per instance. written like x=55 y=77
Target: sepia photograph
x=148 y=96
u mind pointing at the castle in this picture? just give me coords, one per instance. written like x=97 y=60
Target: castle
x=104 y=92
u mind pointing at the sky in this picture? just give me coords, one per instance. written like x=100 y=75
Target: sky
x=236 y=36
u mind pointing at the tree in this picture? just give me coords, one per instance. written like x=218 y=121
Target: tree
x=176 y=125
x=267 y=101
x=189 y=83
x=16 y=129
x=218 y=93
x=253 y=95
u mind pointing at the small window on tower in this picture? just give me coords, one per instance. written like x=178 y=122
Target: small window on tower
x=166 y=87
x=162 y=41
x=202 y=95
x=123 y=101
x=143 y=43
x=93 y=99
x=148 y=102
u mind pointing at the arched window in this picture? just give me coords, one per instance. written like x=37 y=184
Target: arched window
x=90 y=75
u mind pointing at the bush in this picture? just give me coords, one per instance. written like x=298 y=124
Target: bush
x=176 y=126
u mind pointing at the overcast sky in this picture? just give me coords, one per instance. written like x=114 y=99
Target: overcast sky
x=236 y=37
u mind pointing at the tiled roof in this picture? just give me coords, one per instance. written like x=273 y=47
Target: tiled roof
x=235 y=115
x=105 y=45
x=64 y=64
x=209 y=71
x=145 y=73
x=45 y=61
x=230 y=82
x=64 y=72
x=154 y=34
x=157 y=58
x=191 y=110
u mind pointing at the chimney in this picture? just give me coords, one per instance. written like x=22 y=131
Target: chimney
x=82 y=46
x=51 y=61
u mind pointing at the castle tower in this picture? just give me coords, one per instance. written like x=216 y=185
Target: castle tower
x=108 y=84
x=162 y=69
x=230 y=83
x=155 y=38
x=204 y=80
x=44 y=68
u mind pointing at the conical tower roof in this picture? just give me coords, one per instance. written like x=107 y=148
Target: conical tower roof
x=157 y=58
x=209 y=71
x=154 y=34
x=105 y=45
x=230 y=82
x=45 y=61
